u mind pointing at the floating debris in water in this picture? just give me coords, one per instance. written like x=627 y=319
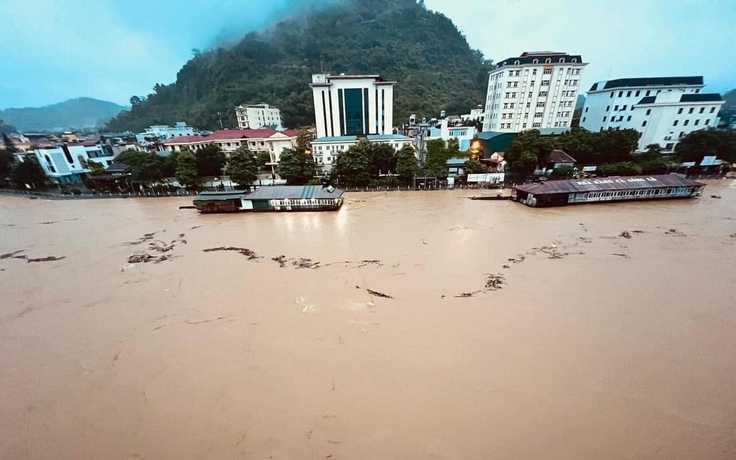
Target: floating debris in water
x=495 y=282
x=467 y=294
x=45 y=259
x=618 y=254
x=625 y=234
x=243 y=251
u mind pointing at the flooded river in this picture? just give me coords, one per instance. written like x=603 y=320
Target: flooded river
x=433 y=327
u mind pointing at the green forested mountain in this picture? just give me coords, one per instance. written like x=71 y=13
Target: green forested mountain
x=399 y=39
x=83 y=112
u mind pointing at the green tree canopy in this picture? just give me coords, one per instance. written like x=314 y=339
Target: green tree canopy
x=473 y=167
x=242 y=167
x=29 y=171
x=406 y=164
x=170 y=163
x=142 y=166
x=436 y=160
x=708 y=142
x=210 y=160
x=383 y=159
x=304 y=140
x=296 y=167
x=186 y=170
x=353 y=167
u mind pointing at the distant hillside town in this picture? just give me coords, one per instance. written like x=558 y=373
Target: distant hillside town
x=527 y=129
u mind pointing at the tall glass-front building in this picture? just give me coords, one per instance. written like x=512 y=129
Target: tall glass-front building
x=352 y=105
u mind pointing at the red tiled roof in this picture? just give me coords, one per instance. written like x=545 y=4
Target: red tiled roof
x=185 y=140
x=559 y=156
x=231 y=134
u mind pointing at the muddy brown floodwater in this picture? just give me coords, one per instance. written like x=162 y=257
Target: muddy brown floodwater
x=406 y=325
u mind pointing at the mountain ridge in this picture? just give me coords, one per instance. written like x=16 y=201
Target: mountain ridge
x=401 y=40
x=76 y=113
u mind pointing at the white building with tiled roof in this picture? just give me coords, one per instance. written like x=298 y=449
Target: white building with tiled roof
x=533 y=91
x=257 y=116
x=662 y=109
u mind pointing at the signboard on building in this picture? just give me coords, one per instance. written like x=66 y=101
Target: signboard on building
x=492 y=178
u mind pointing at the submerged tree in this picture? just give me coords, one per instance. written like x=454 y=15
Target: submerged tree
x=186 y=170
x=242 y=167
x=297 y=167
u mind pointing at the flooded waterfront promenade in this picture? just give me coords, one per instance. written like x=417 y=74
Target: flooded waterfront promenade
x=588 y=344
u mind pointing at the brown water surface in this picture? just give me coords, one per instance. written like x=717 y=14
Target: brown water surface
x=592 y=345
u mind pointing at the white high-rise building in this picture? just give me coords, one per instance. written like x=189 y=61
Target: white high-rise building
x=257 y=116
x=352 y=105
x=535 y=90
x=662 y=109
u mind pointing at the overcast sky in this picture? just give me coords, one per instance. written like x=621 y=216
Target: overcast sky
x=52 y=50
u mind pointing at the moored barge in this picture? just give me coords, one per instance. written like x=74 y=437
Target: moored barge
x=278 y=198
x=606 y=189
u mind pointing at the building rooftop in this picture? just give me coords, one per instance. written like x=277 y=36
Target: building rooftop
x=560 y=156
x=294 y=192
x=701 y=97
x=541 y=57
x=607 y=184
x=647 y=81
x=232 y=134
x=219 y=196
x=370 y=137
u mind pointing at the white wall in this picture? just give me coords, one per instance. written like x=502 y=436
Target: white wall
x=327 y=104
x=256 y=117
x=619 y=108
x=516 y=93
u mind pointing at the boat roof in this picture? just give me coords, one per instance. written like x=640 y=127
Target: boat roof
x=606 y=184
x=294 y=192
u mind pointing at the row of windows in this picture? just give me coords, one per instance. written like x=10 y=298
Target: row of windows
x=546 y=61
x=638 y=93
x=515 y=73
x=696 y=123
x=649 y=192
x=692 y=109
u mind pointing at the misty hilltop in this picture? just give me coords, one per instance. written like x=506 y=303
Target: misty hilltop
x=79 y=113
x=401 y=40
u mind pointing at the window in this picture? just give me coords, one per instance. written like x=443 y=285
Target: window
x=686 y=122
x=540 y=104
x=542 y=93
x=583 y=119
x=516 y=83
x=511 y=105
x=623 y=108
x=612 y=95
x=707 y=122
x=682 y=134
x=679 y=111
x=538 y=115
x=528 y=104
x=621 y=118
x=545 y=82
x=536 y=125
x=516 y=63
x=547 y=61
x=702 y=109
x=697 y=122
x=531 y=83
x=628 y=118
x=586 y=110
x=531 y=94
x=675 y=123
x=691 y=110
x=643 y=123
x=547 y=72
x=505 y=106
x=535 y=61
x=534 y=71
x=620 y=94
x=615 y=108
x=628 y=94
x=637 y=94
x=608 y=107
x=648 y=92
x=508 y=84
x=604 y=119
x=712 y=109
x=563 y=60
